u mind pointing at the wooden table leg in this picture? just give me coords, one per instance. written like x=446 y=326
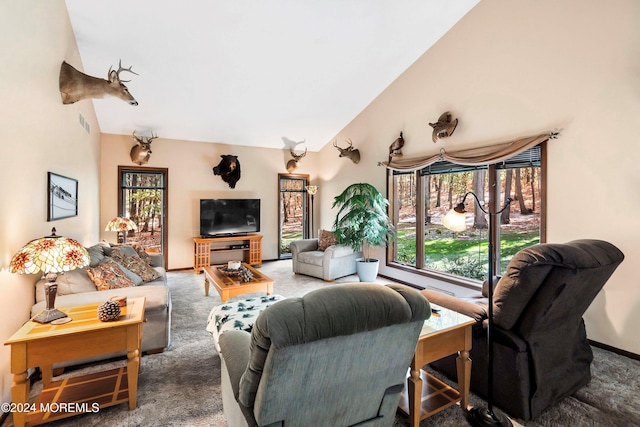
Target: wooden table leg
x=133 y=366
x=414 y=389
x=20 y=395
x=47 y=374
x=206 y=285
x=463 y=365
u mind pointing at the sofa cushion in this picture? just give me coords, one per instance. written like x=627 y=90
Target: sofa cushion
x=96 y=255
x=311 y=257
x=157 y=297
x=70 y=282
x=326 y=239
x=108 y=275
x=129 y=258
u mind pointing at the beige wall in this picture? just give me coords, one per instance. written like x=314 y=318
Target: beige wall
x=511 y=69
x=38 y=134
x=508 y=69
x=191 y=178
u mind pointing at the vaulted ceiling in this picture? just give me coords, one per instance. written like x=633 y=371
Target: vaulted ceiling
x=266 y=73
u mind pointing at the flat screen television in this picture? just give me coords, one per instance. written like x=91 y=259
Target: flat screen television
x=224 y=217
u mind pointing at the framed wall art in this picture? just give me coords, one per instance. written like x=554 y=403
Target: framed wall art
x=62 y=197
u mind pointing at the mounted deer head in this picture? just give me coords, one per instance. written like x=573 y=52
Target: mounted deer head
x=141 y=152
x=293 y=163
x=75 y=86
x=349 y=152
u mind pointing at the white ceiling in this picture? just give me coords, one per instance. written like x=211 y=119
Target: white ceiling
x=265 y=73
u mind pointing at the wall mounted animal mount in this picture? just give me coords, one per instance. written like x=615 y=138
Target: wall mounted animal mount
x=349 y=152
x=141 y=152
x=228 y=169
x=75 y=85
x=395 y=149
x=293 y=163
x=444 y=127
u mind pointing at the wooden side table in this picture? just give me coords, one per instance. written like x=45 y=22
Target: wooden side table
x=445 y=332
x=43 y=345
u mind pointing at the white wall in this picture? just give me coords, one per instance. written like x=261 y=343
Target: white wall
x=191 y=178
x=38 y=134
x=511 y=69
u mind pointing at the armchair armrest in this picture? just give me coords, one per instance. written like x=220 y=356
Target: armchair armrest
x=303 y=245
x=471 y=309
x=234 y=348
x=336 y=251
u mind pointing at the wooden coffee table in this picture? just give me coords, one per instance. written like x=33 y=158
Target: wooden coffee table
x=445 y=332
x=42 y=345
x=230 y=286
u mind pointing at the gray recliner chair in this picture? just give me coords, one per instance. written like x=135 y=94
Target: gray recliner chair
x=541 y=352
x=337 y=356
x=329 y=264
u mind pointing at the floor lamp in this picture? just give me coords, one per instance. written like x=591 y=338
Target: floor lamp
x=312 y=190
x=455 y=220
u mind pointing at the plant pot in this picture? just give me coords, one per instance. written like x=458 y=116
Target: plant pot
x=367 y=271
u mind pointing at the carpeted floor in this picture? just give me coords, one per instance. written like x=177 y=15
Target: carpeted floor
x=180 y=387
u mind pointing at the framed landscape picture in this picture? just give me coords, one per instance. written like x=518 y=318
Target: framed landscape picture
x=62 y=197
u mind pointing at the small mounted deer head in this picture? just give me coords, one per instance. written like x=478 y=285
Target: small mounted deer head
x=444 y=127
x=141 y=152
x=75 y=86
x=293 y=163
x=349 y=152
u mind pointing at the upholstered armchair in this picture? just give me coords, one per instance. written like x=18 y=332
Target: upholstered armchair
x=337 y=356
x=310 y=257
x=541 y=352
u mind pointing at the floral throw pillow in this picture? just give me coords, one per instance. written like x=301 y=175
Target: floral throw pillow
x=134 y=263
x=108 y=275
x=326 y=239
x=143 y=254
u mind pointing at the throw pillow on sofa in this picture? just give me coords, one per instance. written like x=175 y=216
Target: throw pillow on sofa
x=326 y=239
x=129 y=258
x=108 y=275
x=142 y=253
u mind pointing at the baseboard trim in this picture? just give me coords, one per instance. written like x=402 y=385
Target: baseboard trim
x=619 y=351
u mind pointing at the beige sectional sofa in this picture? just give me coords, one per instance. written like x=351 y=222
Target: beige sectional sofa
x=77 y=287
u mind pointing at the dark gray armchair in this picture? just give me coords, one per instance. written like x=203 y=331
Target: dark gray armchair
x=541 y=352
x=336 y=357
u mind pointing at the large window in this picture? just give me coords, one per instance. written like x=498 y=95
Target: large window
x=421 y=198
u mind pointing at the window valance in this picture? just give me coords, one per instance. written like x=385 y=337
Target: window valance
x=474 y=156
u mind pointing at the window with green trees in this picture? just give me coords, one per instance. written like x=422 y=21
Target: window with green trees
x=421 y=198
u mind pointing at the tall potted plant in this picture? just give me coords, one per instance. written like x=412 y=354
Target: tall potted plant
x=362 y=222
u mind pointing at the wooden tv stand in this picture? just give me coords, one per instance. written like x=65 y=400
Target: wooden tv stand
x=221 y=250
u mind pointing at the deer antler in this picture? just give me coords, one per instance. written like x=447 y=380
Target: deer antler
x=133 y=134
x=298 y=156
x=152 y=137
x=120 y=69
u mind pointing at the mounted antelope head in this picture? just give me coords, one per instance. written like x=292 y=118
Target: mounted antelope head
x=293 y=163
x=349 y=152
x=75 y=86
x=141 y=152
